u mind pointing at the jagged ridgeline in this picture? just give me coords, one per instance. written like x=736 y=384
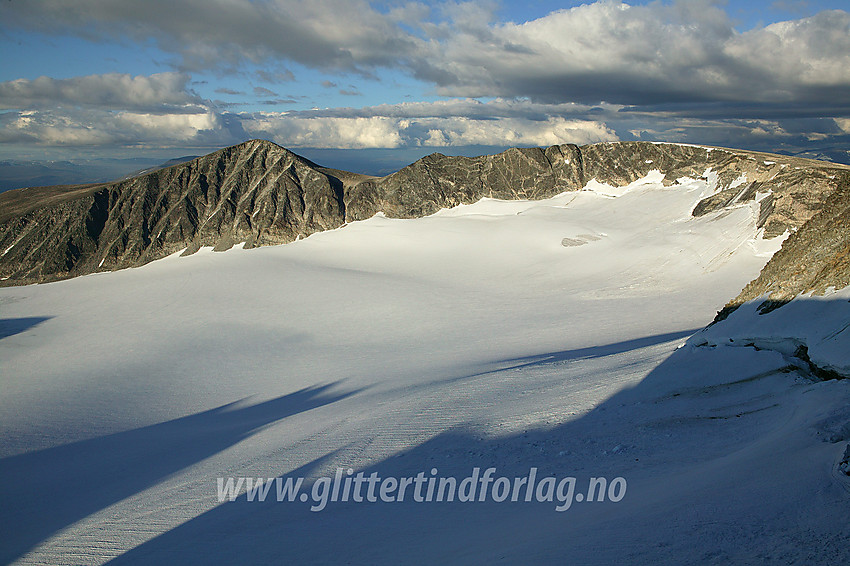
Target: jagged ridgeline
x=260 y=194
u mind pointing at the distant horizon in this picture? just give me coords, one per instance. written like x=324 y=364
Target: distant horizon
x=378 y=162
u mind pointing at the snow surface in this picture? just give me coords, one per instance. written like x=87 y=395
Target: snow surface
x=472 y=337
x=819 y=323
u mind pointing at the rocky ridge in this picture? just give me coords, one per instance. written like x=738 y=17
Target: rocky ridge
x=260 y=194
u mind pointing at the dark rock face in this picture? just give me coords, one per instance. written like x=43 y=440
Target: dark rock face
x=260 y=193
x=257 y=193
x=438 y=181
x=812 y=259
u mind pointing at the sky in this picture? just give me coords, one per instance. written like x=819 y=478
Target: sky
x=391 y=81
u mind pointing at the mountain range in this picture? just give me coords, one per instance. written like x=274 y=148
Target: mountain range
x=540 y=313
x=259 y=193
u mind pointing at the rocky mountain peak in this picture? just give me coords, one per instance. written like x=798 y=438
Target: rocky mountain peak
x=259 y=193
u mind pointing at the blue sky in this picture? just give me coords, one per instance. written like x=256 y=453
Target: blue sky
x=390 y=81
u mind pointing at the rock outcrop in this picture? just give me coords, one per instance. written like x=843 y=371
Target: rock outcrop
x=259 y=193
x=814 y=258
x=256 y=192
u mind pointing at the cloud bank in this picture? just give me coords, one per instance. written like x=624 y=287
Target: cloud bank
x=606 y=51
x=442 y=124
x=678 y=71
x=162 y=92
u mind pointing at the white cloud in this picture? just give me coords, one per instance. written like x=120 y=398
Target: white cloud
x=471 y=108
x=160 y=127
x=160 y=110
x=44 y=129
x=162 y=91
x=797 y=59
x=685 y=51
x=462 y=131
x=325 y=132
x=328 y=34
x=446 y=123
x=412 y=125
x=657 y=53
x=100 y=128
x=844 y=124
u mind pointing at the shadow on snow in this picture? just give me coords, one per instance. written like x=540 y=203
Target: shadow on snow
x=42 y=492
x=672 y=509
x=12 y=326
x=687 y=437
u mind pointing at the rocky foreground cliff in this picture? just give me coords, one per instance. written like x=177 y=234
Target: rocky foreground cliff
x=260 y=194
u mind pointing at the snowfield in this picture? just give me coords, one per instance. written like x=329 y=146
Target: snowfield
x=562 y=335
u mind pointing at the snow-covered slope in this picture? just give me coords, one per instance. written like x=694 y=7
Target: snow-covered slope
x=813 y=329
x=513 y=335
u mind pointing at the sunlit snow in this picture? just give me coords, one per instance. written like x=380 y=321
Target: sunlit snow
x=507 y=334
